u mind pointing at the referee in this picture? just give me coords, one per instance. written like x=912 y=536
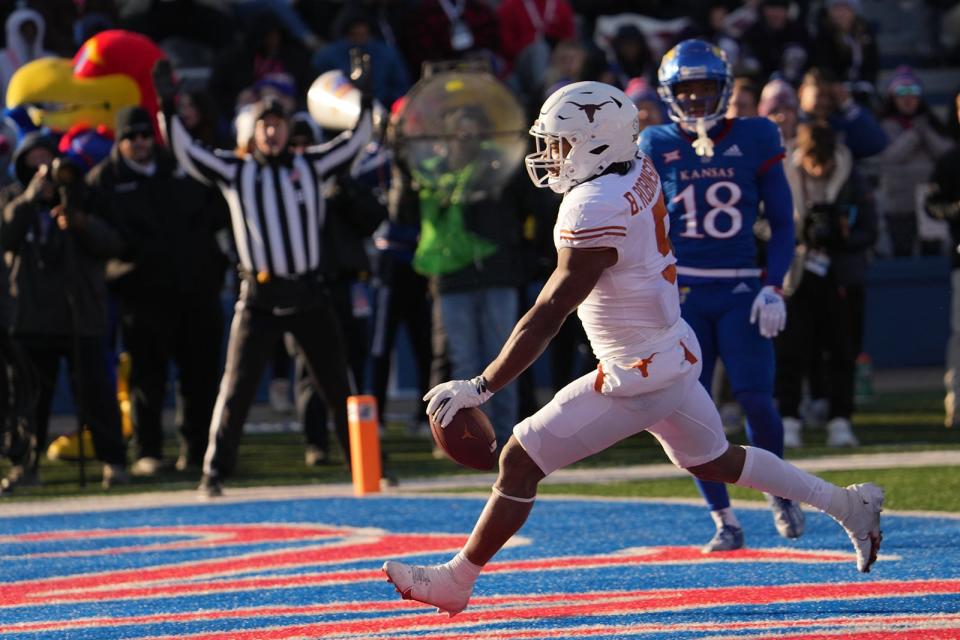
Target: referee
x=277 y=212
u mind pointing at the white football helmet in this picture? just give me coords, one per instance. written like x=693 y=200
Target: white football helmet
x=582 y=129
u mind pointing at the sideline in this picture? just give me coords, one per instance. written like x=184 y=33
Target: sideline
x=417 y=486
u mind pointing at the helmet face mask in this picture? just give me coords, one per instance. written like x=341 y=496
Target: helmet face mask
x=695 y=82
x=582 y=129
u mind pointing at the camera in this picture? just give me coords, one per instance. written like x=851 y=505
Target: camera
x=823 y=226
x=67 y=177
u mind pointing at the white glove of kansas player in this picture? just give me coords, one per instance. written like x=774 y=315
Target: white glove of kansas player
x=448 y=398
x=769 y=308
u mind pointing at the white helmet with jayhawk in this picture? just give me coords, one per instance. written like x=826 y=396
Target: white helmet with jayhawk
x=582 y=129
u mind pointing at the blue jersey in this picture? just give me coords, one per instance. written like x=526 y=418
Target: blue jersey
x=714 y=202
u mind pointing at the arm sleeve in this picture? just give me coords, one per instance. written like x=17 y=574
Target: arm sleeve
x=203 y=164
x=335 y=155
x=778 y=209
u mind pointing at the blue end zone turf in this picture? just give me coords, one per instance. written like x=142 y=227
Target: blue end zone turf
x=309 y=568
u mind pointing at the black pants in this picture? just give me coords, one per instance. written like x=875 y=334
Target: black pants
x=822 y=323
x=311 y=408
x=95 y=397
x=187 y=330
x=403 y=298
x=257 y=326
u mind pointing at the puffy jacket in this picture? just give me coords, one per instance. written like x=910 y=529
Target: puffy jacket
x=168 y=222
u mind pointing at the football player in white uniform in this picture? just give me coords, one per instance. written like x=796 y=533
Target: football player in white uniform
x=616 y=266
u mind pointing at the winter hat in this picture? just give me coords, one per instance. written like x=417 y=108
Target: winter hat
x=904 y=82
x=133 y=120
x=777 y=94
x=86 y=147
x=639 y=90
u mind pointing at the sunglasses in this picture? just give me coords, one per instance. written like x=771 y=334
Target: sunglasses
x=139 y=134
x=907 y=90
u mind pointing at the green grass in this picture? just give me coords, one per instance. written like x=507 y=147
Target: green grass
x=919 y=489
x=894 y=422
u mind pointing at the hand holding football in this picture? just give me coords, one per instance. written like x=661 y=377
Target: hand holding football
x=468 y=439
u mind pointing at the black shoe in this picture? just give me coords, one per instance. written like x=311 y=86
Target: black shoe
x=210 y=487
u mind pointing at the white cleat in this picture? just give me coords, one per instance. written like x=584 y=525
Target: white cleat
x=434 y=585
x=863 y=523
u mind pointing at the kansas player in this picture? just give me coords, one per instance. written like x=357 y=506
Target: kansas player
x=616 y=267
x=716 y=172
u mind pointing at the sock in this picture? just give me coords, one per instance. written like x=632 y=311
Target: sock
x=464 y=572
x=725 y=517
x=766 y=472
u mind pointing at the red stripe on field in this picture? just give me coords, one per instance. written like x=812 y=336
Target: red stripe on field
x=141 y=581
x=199 y=537
x=180 y=580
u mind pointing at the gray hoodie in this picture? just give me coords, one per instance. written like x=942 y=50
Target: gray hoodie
x=19 y=52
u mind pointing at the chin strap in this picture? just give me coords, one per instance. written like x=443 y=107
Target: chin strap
x=703 y=145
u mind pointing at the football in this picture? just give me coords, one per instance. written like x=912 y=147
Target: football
x=468 y=439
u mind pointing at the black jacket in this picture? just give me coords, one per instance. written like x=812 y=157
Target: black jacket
x=50 y=266
x=943 y=201
x=168 y=222
x=353 y=214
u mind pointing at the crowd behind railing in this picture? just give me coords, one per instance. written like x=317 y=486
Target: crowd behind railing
x=135 y=251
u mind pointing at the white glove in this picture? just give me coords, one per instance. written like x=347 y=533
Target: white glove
x=770 y=309
x=448 y=398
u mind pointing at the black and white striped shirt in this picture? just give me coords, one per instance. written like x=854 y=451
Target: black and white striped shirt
x=277 y=210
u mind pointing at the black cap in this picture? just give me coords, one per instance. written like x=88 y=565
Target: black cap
x=133 y=120
x=268 y=106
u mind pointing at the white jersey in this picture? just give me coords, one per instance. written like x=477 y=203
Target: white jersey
x=634 y=309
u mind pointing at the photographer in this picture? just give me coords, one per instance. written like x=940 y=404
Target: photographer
x=837 y=225
x=57 y=249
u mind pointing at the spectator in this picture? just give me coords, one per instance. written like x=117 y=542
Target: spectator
x=846 y=46
x=24 y=30
x=525 y=22
x=199 y=115
x=631 y=55
x=168 y=284
x=943 y=203
x=278 y=211
x=710 y=24
x=743 y=99
x=650 y=109
x=567 y=63
x=401 y=294
x=837 y=226
x=353 y=214
x=917 y=139
x=778 y=101
x=776 y=43
x=468 y=245
x=450 y=29
x=266 y=50
x=58 y=246
x=822 y=97
x=390 y=80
